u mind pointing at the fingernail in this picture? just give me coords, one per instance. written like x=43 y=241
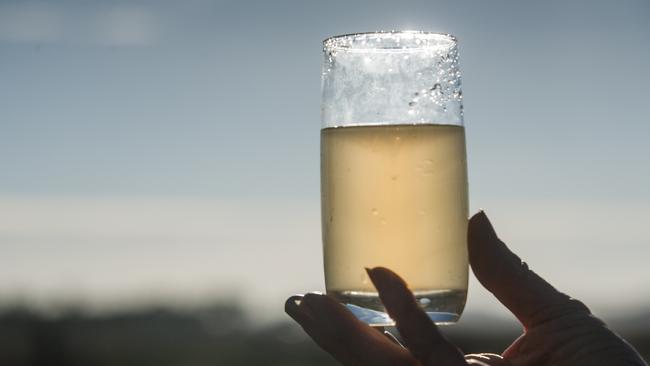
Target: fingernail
x=291 y=306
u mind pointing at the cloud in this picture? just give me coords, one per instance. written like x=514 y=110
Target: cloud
x=95 y=24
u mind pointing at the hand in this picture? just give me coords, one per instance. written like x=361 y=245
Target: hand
x=558 y=330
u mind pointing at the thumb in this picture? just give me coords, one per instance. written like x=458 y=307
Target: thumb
x=529 y=297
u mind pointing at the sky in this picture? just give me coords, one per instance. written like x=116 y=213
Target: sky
x=169 y=150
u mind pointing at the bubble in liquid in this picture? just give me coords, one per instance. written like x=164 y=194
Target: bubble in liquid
x=374 y=212
x=426 y=167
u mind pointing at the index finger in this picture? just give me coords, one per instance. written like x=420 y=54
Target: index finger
x=420 y=335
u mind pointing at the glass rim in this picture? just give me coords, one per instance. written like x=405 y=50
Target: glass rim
x=336 y=42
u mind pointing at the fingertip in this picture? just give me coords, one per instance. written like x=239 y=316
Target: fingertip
x=480 y=226
x=292 y=307
x=376 y=277
x=479 y=215
x=391 y=287
x=483 y=244
x=393 y=292
x=292 y=302
x=383 y=278
x=420 y=333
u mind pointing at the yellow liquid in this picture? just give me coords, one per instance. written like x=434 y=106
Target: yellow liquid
x=395 y=196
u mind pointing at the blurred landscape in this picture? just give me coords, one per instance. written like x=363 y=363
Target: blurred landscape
x=219 y=334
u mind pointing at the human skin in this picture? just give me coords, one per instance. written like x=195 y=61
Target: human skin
x=558 y=330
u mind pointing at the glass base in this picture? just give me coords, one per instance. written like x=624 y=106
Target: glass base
x=442 y=306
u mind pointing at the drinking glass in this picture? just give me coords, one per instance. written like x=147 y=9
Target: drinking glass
x=393 y=170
